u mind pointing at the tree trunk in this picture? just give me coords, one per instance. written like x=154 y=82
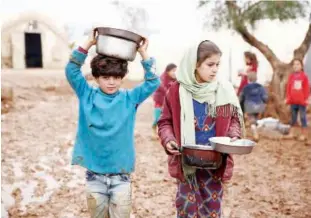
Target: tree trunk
x=277 y=93
x=276 y=106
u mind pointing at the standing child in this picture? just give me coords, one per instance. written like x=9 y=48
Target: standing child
x=254 y=97
x=297 y=94
x=251 y=67
x=167 y=79
x=196 y=108
x=104 y=144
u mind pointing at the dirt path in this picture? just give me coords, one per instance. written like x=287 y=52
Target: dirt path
x=38 y=180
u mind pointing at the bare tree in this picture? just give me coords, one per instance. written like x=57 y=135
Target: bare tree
x=241 y=16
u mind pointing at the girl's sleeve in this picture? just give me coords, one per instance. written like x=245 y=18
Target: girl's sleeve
x=165 y=123
x=288 y=87
x=306 y=88
x=235 y=126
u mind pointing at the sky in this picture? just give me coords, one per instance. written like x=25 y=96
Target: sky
x=175 y=23
x=164 y=15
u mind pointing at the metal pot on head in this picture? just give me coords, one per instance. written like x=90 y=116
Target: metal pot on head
x=117 y=43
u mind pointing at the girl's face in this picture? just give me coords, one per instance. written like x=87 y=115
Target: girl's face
x=172 y=72
x=297 y=66
x=207 y=71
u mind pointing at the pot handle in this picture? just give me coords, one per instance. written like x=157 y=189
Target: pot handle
x=141 y=42
x=180 y=149
x=94 y=32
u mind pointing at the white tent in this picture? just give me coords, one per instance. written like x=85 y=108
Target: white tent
x=32 y=40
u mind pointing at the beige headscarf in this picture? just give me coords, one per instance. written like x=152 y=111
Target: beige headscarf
x=215 y=93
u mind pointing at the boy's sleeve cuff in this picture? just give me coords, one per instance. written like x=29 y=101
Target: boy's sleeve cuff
x=80 y=49
x=78 y=57
x=150 y=68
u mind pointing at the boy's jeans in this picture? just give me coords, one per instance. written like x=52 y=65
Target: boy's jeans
x=108 y=196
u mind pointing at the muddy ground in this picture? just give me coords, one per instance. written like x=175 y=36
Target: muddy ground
x=38 y=180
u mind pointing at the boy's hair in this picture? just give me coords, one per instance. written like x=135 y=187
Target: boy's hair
x=206 y=49
x=252 y=57
x=170 y=67
x=108 y=66
x=252 y=77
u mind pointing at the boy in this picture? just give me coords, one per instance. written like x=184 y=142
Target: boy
x=254 y=97
x=105 y=136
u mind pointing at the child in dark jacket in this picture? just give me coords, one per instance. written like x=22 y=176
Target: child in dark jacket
x=254 y=97
x=297 y=94
x=167 y=79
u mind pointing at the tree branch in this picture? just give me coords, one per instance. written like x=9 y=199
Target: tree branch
x=251 y=7
x=240 y=27
x=303 y=48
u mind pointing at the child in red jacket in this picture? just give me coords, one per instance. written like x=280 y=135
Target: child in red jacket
x=196 y=107
x=297 y=94
x=167 y=78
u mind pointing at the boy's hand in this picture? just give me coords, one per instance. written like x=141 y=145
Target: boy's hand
x=90 y=41
x=142 y=49
x=172 y=148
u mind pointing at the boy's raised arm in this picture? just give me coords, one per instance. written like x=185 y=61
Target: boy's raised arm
x=73 y=69
x=152 y=81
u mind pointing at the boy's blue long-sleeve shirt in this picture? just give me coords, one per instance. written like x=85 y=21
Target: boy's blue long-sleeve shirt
x=105 y=134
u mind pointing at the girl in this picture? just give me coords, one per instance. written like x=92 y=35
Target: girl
x=167 y=78
x=297 y=94
x=196 y=108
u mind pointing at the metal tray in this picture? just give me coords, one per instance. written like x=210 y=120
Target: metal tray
x=224 y=145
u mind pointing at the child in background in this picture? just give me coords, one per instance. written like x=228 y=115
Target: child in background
x=297 y=94
x=104 y=143
x=254 y=97
x=251 y=66
x=167 y=78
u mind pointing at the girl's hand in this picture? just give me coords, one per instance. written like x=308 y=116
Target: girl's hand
x=172 y=148
x=234 y=139
x=142 y=49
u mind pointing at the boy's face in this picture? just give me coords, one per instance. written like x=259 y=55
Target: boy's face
x=207 y=71
x=109 y=84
